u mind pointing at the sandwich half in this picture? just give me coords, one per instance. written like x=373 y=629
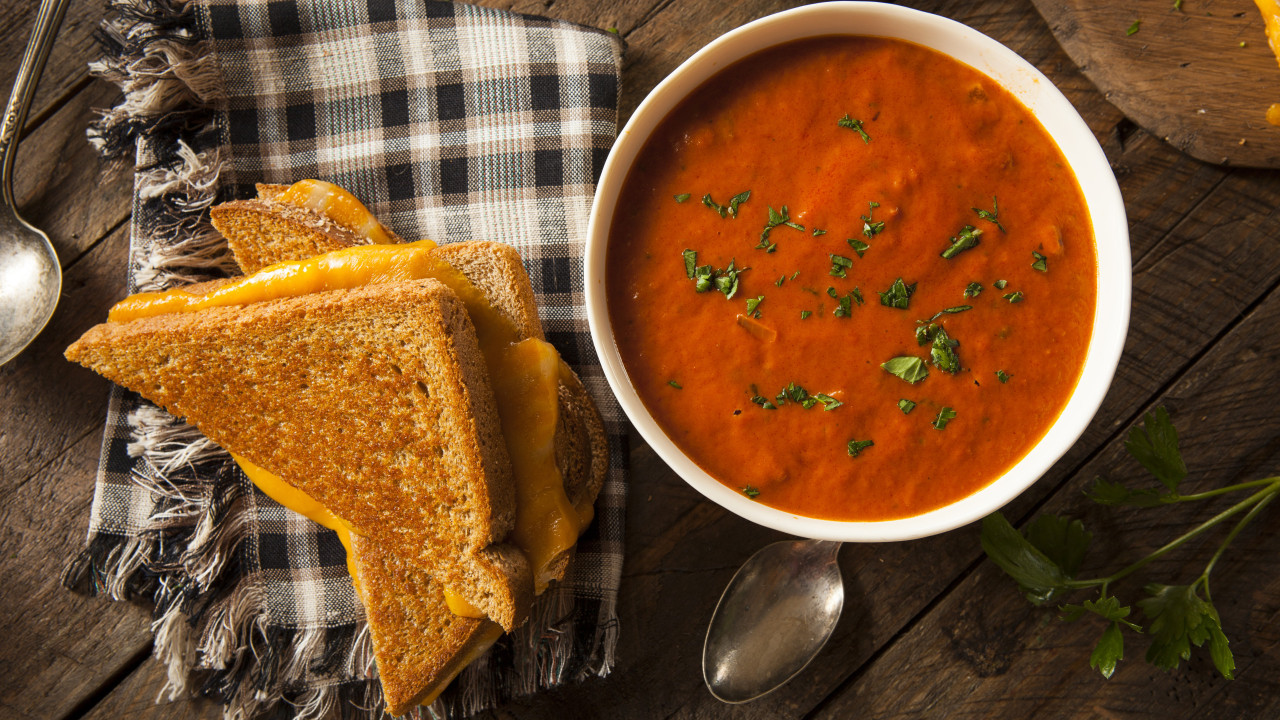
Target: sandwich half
x=375 y=400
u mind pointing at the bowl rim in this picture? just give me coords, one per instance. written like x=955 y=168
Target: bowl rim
x=1055 y=113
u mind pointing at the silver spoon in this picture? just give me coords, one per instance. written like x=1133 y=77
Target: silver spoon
x=775 y=615
x=30 y=277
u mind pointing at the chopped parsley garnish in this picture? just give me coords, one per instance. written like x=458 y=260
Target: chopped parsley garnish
x=675 y=384
x=992 y=215
x=924 y=333
x=1003 y=376
x=780 y=280
x=857 y=446
x=943 y=352
x=973 y=290
x=844 y=307
x=907 y=367
x=682 y=197
x=753 y=306
x=819 y=233
x=906 y=406
x=1041 y=263
x=763 y=401
x=950 y=311
x=1014 y=297
x=794 y=393
x=706 y=277
x=854 y=125
x=804 y=314
x=828 y=403
x=857 y=245
x=732 y=209
x=945 y=415
x=898 y=295
x=775 y=219
x=871 y=228
x=965 y=240
x=1133 y=29
x=750 y=492
x=839 y=264
x=1000 y=284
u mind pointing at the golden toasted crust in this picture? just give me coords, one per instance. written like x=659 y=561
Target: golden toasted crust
x=264 y=232
x=419 y=645
x=392 y=369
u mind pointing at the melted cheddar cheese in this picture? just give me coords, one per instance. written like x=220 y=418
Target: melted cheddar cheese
x=1270 y=10
x=524 y=373
x=339 y=206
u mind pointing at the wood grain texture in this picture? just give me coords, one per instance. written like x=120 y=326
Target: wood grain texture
x=1183 y=75
x=930 y=629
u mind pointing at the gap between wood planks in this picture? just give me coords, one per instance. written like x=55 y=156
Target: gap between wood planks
x=1272 y=293
x=111 y=682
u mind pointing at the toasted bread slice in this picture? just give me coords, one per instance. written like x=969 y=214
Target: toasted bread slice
x=393 y=369
x=263 y=232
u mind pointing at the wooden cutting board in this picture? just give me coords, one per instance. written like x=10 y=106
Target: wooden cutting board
x=1184 y=74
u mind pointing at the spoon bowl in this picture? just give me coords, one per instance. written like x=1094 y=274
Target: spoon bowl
x=778 y=611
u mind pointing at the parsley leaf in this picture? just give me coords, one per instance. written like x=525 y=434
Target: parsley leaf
x=943 y=354
x=1000 y=284
x=967 y=239
x=898 y=295
x=737 y=200
x=1179 y=618
x=681 y=197
x=763 y=402
x=1154 y=444
x=839 y=265
x=690 y=262
x=973 y=290
x=753 y=306
x=828 y=403
x=924 y=333
x=1040 y=578
x=857 y=245
x=1003 y=376
x=675 y=384
x=775 y=219
x=1041 y=262
x=1014 y=297
x=906 y=367
x=819 y=233
x=992 y=215
x=945 y=415
x=950 y=311
x=750 y=492
x=906 y=406
x=1062 y=540
x=857 y=446
x=854 y=125
x=706 y=200
x=804 y=314
x=871 y=228
x=1133 y=29
x=1105 y=492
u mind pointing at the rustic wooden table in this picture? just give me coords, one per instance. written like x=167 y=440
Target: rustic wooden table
x=930 y=627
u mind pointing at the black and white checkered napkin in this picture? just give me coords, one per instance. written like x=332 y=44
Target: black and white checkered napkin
x=451 y=122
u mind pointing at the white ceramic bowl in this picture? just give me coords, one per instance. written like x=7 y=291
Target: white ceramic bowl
x=1106 y=209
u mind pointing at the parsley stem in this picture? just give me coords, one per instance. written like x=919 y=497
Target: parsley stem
x=1223 y=490
x=1204 y=577
x=1248 y=502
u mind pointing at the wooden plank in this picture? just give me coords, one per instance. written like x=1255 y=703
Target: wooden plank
x=61 y=184
x=62 y=645
x=140 y=697
x=989 y=653
x=1183 y=75
x=69 y=57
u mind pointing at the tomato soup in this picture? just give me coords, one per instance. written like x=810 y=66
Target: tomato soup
x=852 y=278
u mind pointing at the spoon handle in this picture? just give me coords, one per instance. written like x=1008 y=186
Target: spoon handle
x=48 y=19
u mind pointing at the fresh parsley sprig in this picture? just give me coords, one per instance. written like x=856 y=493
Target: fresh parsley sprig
x=1046 y=559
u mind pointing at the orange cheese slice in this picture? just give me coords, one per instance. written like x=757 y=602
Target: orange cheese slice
x=339 y=206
